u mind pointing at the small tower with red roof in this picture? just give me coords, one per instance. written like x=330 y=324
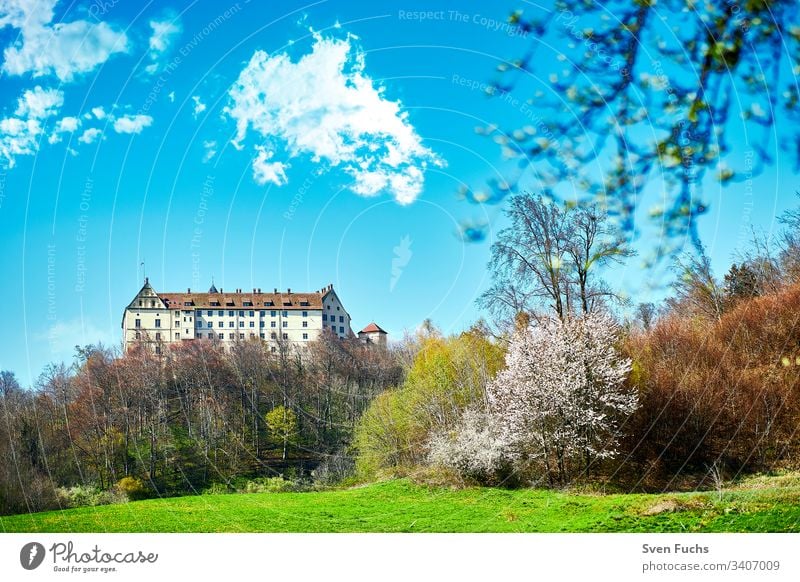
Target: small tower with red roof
x=373 y=334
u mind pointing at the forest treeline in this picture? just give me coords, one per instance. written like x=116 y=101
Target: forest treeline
x=200 y=416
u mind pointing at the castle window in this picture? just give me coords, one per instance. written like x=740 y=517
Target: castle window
x=285 y=313
x=231 y=336
x=185 y=303
x=210 y=324
x=220 y=313
x=241 y=324
x=285 y=324
x=152 y=303
x=341 y=329
x=261 y=335
x=252 y=336
x=138 y=335
x=177 y=323
x=199 y=323
x=222 y=336
x=209 y=313
x=247 y=304
x=273 y=335
x=220 y=324
x=158 y=323
x=341 y=319
x=305 y=336
x=158 y=350
x=305 y=314
x=252 y=324
x=272 y=324
x=177 y=335
x=138 y=323
x=305 y=324
x=273 y=350
x=286 y=336
x=241 y=336
x=177 y=314
x=333 y=327
x=324 y=317
x=230 y=314
x=261 y=323
x=230 y=324
x=252 y=314
x=158 y=337
x=141 y=304
x=241 y=314
x=262 y=313
x=273 y=313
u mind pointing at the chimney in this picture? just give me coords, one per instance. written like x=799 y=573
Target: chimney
x=220 y=290
x=289 y=290
x=276 y=290
x=254 y=290
x=188 y=290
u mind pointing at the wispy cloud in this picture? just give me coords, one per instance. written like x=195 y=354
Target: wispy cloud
x=199 y=106
x=132 y=123
x=20 y=133
x=90 y=135
x=164 y=34
x=324 y=105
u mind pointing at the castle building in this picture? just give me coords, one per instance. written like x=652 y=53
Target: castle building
x=158 y=319
x=373 y=334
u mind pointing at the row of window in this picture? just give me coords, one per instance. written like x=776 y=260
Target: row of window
x=231 y=336
x=232 y=313
x=138 y=323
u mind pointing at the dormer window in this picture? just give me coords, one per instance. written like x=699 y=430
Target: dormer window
x=287 y=303
x=304 y=304
x=269 y=303
x=187 y=303
x=247 y=304
x=215 y=303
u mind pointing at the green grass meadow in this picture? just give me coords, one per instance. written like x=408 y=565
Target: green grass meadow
x=764 y=504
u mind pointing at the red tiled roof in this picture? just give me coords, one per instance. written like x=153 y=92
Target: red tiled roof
x=372 y=328
x=286 y=301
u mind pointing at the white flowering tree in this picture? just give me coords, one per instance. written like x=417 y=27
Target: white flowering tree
x=560 y=401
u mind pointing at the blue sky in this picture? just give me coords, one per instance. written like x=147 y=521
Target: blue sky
x=264 y=145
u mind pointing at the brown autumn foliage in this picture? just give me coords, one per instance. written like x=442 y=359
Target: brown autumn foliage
x=716 y=393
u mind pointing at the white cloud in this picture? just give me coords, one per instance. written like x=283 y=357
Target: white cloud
x=164 y=34
x=211 y=150
x=65 y=125
x=132 y=123
x=90 y=135
x=64 y=49
x=325 y=106
x=99 y=112
x=199 y=106
x=20 y=134
x=266 y=172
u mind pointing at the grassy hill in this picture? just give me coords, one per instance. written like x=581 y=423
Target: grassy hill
x=766 y=504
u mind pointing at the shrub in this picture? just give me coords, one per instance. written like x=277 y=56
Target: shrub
x=87 y=496
x=133 y=488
